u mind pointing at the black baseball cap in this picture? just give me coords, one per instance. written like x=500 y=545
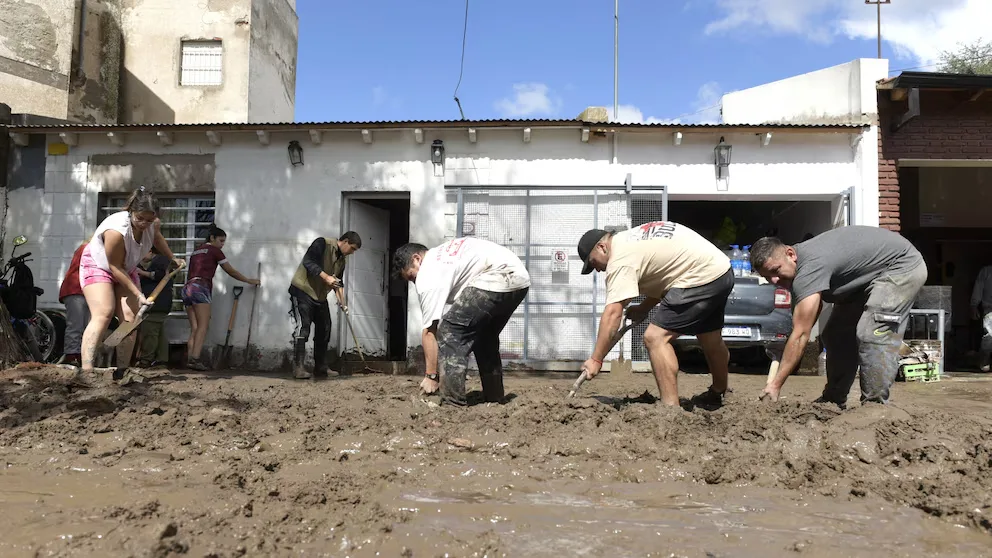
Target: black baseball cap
x=586 y=245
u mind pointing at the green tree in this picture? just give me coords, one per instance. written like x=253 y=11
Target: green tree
x=969 y=58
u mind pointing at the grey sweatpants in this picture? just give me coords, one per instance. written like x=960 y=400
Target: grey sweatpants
x=866 y=333
x=77 y=315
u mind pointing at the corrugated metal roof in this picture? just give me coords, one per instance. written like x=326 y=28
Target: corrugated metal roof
x=410 y=124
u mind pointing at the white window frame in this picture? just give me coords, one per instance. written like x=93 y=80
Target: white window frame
x=189 y=240
x=201 y=63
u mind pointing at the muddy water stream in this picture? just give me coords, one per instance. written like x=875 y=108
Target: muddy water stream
x=361 y=466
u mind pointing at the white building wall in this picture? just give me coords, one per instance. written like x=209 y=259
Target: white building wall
x=272 y=211
x=840 y=94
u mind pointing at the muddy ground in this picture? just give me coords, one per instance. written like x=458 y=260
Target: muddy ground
x=252 y=465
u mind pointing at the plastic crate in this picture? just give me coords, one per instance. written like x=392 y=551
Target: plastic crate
x=924 y=372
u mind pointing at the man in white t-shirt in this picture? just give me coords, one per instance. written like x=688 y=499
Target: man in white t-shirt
x=685 y=275
x=484 y=283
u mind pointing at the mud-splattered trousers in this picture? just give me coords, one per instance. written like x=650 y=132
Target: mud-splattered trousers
x=472 y=325
x=867 y=332
x=308 y=312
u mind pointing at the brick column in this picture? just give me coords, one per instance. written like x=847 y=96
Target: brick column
x=888 y=190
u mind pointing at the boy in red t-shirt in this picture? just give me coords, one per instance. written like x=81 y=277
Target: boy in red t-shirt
x=76 y=311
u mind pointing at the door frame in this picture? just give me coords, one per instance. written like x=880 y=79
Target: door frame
x=347 y=197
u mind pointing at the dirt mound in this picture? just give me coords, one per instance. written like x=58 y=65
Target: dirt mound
x=253 y=465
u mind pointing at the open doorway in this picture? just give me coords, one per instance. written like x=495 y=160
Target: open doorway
x=742 y=221
x=377 y=303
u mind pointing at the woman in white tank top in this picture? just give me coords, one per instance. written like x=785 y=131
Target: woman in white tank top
x=107 y=272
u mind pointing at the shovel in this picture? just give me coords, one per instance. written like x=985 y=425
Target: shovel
x=225 y=351
x=366 y=367
x=613 y=341
x=126 y=328
x=251 y=315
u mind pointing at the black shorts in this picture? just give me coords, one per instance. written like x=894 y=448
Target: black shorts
x=695 y=310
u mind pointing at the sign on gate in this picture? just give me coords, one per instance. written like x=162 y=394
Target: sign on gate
x=559 y=260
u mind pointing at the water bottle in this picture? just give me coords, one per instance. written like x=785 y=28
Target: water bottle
x=746 y=261
x=821 y=365
x=735 y=259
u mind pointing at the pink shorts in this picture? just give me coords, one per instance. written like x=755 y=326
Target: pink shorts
x=91 y=274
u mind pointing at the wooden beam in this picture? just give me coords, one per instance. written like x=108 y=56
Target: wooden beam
x=526 y=135
x=263 y=137
x=214 y=138
x=116 y=138
x=21 y=140
x=676 y=138
x=472 y=135
x=167 y=138
x=367 y=136
x=977 y=94
x=418 y=135
x=316 y=136
x=585 y=135
x=899 y=94
x=70 y=138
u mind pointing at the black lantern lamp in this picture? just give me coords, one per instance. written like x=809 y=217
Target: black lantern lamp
x=295 y=153
x=721 y=158
x=437 y=152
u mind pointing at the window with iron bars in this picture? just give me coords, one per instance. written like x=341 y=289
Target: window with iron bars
x=185 y=221
x=201 y=63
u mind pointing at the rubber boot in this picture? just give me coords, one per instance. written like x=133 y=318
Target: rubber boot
x=299 y=356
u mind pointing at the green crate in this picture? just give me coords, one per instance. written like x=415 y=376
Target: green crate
x=923 y=372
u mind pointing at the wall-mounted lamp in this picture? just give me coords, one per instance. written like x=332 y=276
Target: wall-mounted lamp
x=721 y=159
x=437 y=152
x=295 y=153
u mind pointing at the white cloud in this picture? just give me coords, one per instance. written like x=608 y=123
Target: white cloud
x=529 y=99
x=705 y=109
x=914 y=29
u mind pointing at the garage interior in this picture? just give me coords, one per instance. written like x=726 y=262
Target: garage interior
x=743 y=221
x=944 y=212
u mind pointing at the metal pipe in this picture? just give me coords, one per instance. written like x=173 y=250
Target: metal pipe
x=616 y=80
x=78 y=70
x=527 y=265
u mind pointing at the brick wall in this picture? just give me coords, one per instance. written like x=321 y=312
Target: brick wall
x=950 y=126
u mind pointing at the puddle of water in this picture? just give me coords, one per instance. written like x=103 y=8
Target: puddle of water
x=564 y=518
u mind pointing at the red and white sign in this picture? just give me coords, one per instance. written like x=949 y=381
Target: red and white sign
x=559 y=260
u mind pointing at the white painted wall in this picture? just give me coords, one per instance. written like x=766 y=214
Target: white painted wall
x=273 y=211
x=272 y=61
x=845 y=93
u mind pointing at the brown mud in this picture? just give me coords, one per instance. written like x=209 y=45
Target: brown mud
x=224 y=464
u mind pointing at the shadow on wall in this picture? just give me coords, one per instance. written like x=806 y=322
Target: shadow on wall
x=273 y=220
x=140 y=105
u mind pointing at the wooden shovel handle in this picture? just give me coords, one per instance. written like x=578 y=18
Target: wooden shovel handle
x=234 y=310
x=165 y=280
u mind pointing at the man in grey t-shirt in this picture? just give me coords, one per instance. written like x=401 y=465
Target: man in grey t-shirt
x=872 y=276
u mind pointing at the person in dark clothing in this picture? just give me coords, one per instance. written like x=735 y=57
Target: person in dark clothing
x=153 y=345
x=76 y=311
x=320 y=272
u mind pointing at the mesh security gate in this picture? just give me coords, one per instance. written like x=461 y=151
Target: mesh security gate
x=559 y=318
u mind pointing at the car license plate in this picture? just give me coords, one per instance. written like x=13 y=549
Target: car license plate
x=737 y=332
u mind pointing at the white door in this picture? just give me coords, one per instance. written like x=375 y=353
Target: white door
x=366 y=281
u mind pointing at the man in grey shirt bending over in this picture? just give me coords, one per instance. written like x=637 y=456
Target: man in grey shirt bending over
x=872 y=276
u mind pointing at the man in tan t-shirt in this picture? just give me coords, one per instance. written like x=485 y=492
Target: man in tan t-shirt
x=672 y=265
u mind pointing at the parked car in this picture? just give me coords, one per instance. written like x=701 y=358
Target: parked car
x=758 y=316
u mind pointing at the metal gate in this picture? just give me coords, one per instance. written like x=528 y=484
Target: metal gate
x=558 y=320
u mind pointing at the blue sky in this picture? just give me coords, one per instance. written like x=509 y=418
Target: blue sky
x=399 y=59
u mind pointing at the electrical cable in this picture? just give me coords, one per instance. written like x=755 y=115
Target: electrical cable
x=461 y=70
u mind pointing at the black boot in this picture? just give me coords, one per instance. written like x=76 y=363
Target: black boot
x=299 y=356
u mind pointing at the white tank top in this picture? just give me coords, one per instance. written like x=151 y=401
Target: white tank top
x=134 y=251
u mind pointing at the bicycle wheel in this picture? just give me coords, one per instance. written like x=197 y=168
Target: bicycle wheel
x=43 y=330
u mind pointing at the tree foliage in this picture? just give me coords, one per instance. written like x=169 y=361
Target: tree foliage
x=969 y=58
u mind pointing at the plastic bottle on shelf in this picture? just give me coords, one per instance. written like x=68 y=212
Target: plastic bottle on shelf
x=735 y=259
x=821 y=365
x=746 y=261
